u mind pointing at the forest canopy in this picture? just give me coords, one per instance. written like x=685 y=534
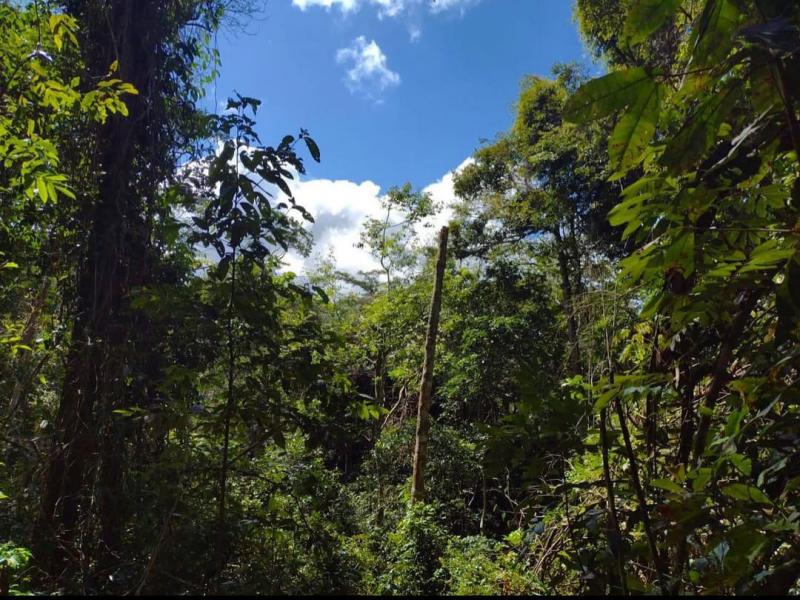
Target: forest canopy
x=586 y=383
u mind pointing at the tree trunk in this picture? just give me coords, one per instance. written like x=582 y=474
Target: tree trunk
x=25 y=369
x=568 y=304
x=424 y=404
x=719 y=376
x=88 y=446
x=613 y=533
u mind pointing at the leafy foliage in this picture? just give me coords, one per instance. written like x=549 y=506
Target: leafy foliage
x=615 y=403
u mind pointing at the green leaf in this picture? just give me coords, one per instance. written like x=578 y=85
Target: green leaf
x=705 y=411
x=680 y=253
x=312 y=148
x=767 y=256
x=646 y=16
x=713 y=34
x=516 y=537
x=735 y=421
x=701 y=478
x=636 y=128
x=368 y=411
x=635 y=265
x=666 y=484
x=603 y=399
x=65 y=191
x=741 y=491
x=42 y=187
x=742 y=463
x=127 y=88
x=699 y=132
x=602 y=97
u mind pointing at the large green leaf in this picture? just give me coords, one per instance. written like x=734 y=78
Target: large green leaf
x=713 y=34
x=627 y=211
x=605 y=95
x=646 y=16
x=741 y=491
x=679 y=253
x=741 y=462
x=666 y=484
x=766 y=256
x=636 y=128
x=700 y=478
x=700 y=130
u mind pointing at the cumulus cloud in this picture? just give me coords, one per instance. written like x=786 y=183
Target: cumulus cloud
x=340 y=208
x=344 y=5
x=367 y=67
x=443 y=5
x=386 y=8
x=444 y=195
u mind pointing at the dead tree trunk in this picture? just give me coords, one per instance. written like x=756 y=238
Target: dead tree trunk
x=424 y=403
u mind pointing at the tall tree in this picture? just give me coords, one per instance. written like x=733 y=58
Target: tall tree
x=544 y=181
x=134 y=154
x=716 y=137
x=426 y=386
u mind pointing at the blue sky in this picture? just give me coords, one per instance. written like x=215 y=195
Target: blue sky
x=392 y=90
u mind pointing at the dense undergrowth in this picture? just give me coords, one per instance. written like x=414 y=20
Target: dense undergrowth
x=615 y=403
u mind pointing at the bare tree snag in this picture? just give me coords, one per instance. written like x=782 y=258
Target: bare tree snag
x=424 y=403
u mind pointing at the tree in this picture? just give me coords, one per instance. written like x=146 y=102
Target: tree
x=392 y=241
x=709 y=215
x=545 y=183
x=426 y=387
x=134 y=153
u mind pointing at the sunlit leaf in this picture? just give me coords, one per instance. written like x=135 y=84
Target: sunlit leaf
x=646 y=16
x=605 y=95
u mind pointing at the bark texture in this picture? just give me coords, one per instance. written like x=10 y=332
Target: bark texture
x=426 y=388
x=81 y=513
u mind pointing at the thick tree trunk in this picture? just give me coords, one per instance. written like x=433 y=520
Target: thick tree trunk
x=424 y=404
x=88 y=446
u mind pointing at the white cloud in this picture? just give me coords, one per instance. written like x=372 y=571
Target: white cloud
x=340 y=207
x=345 y=5
x=368 y=70
x=387 y=8
x=443 y=5
x=443 y=194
